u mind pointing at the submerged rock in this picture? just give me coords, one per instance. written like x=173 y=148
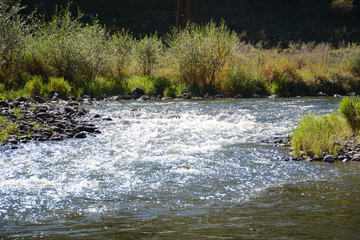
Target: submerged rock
x=329 y=158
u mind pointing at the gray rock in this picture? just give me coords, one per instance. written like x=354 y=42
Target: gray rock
x=321 y=94
x=329 y=158
x=186 y=96
x=4 y=104
x=219 y=96
x=138 y=92
x=274 y=96
x=80 y=135
x=69 y=110
x=39 y=99
x=12 y=141
x=239 y=96
x=144 y=98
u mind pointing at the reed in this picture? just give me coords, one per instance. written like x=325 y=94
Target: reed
x=318 y=135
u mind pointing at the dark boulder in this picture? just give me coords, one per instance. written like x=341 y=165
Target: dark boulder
x=4 y=104
x=138 y=92
x=329 y=159
x=80 y=135
x=39 y=99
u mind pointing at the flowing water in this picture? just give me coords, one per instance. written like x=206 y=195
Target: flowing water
x=179 y=170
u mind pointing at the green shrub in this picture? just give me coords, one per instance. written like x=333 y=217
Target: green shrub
x=240 y=81
x=64 y=47
x=354 y=60
x=201 y=55
x=282 y=77
x=146 y=53
x=350 y=109
x=100 y=86
x=34 y=86
x=120 y=49
x=13 y=94
x=60 y=86
x=315 y=135
x=14 y=32
x=152 y=86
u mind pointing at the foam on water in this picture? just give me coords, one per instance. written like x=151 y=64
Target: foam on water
x=157 y=155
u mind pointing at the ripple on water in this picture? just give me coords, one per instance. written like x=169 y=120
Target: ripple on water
x=157 y=155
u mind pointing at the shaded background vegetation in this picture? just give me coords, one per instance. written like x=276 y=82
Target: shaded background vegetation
x=272 y=20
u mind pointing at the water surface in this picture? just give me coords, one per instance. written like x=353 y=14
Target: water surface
x=179 y=170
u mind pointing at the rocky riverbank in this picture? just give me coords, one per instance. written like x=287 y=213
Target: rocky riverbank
x=42 y=119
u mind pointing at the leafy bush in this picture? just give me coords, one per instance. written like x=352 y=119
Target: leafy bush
x=350 y=109
x=120 y=50
x=14 y=32
x=241 y=81
x=201 y=55
x=315 y=135
x=282 y=77
x=152 y=86
x=34 y=86
x=100 y=86
x=354 y=60
x=60 y=86
x=146 y=53
x=64 y=47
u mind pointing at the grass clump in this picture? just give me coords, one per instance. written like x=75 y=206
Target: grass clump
x=60 y=86
x=350 y=109
x=316 y=135
x=6 y=129
x=101 y=86
x=152 y=86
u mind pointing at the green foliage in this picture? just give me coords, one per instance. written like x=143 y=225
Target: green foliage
x=34 y=87
x=241 y=81
x=14 y=32
x=60 y=86
x=6 y=129
x=354 y=60
x=315 y=135
x=120 y=52
x=152 y=86
x=64 y=47
x=350 y=109
x=146 y=53
x=282 y=77
x=100 y=86
x=201 y=54
x=17 y=112
x=13 y=94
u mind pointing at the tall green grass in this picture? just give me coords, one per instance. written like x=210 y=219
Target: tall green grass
x=316 y=135
x=350 y=109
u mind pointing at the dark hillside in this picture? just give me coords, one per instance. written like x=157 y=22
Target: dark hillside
x=273 y=20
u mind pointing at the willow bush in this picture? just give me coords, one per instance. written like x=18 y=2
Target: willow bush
x=146 y=54
x=202 y=54
x=14 y=33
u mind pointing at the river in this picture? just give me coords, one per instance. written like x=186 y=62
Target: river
x=180 y=170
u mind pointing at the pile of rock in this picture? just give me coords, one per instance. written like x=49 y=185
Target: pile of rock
x=45 y=119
